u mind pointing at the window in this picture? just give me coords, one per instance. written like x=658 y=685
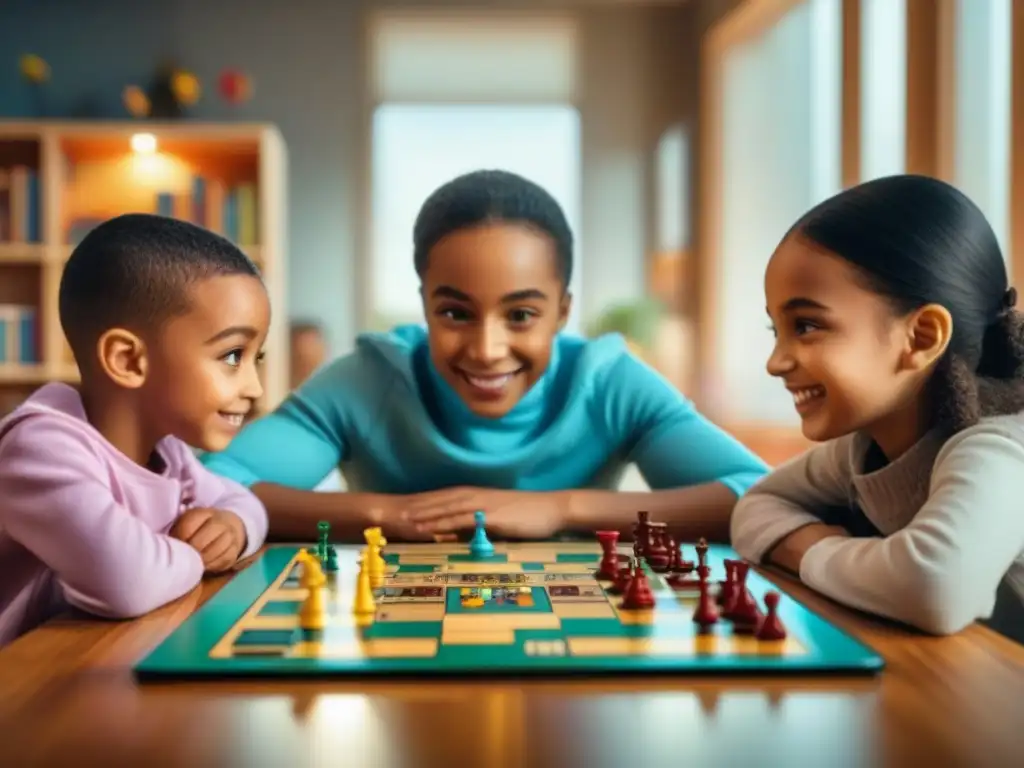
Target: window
x=418 y=147
x=781 y=150
x=883 y=62
x=982 y=138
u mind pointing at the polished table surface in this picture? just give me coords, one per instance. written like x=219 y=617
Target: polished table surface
x=67 y=697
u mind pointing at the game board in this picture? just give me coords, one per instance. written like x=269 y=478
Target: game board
x=526 y=608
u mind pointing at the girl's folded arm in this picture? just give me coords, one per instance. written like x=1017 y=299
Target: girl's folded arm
x=57 y=504
x=940 y=573
x=792 y=496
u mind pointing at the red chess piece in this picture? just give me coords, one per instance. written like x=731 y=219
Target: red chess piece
x=622 y=581
x=638 y=595
x=702 y=552
x=727 y=593
x=656 y=552
x=771 y=628
x=742 y=609
x=608 y=570
x=706 y=613
x=674 y=556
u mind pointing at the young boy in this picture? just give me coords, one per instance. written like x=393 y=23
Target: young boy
x=102 y=504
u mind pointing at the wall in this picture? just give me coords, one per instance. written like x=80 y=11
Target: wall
x=306 y=59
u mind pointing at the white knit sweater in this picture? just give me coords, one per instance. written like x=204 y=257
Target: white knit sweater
x=951 y=514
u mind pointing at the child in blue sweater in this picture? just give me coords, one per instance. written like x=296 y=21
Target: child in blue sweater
x=490 y=406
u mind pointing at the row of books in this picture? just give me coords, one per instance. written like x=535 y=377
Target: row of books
x=20 y=219
x=228 y=211
x=19 y=339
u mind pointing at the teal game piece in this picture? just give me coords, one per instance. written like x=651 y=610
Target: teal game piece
x=480 y=545
x=324 y=529
x=443 y=606
x=331 y=561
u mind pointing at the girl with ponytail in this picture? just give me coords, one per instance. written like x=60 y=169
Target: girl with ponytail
x=897 y=333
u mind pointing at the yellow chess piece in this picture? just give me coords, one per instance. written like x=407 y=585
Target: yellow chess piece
x=363 y=604
x=313 y=612
x=373 y=561
x=312 y=574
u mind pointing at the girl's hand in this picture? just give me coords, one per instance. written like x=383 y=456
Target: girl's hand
x=510 y=514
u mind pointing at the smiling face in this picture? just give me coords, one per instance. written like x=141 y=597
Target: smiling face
x=203 y=378
x=850 y=361
x=494 y=301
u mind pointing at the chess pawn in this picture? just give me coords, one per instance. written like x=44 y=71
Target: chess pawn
x=706 y=613
x=363 y=604
x=332 y=560
x=313 y=612
x=771 y=627
x=608 y=569
x=638 y=594
x=312 y=574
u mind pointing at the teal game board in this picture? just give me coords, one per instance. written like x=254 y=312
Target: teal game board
x=528 y=608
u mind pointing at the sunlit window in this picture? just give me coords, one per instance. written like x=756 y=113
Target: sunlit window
x=781 y=150
x=983 y=97
x=418 y=147
x=883 y=72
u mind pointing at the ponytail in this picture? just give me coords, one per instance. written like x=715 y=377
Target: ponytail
x=1002 y=348
x=996 y=386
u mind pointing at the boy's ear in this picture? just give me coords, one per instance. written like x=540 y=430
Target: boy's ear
x=564 y=310
x=122 y=356
x=928 y=335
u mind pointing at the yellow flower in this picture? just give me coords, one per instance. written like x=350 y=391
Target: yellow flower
x=185 y=87
x=34 y=68
x=135 y=101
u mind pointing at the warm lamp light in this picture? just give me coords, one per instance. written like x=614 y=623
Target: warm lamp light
x=144 y=143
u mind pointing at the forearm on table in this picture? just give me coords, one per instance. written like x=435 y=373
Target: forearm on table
x=294 y=513
x=690 y=513
x=788 y=553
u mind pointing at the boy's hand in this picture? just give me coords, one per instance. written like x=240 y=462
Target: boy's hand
x=216 y=534
x=511 y=514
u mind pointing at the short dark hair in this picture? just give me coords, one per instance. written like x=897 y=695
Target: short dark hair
x=134 y=271
x=486 y=196
x=916 y=241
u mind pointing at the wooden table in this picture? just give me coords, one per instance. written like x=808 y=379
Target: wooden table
x=68 y=698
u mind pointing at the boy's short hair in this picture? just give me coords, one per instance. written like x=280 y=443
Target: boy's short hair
x=134 y=271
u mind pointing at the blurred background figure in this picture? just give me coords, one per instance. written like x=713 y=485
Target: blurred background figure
x=308 y=351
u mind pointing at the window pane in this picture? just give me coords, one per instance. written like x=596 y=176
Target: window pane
x=781 y=156
x=883 y=62
x=416 y=148
x=982 y=143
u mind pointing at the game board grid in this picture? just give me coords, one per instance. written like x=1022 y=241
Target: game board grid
x=586 y=620
x=252 y=626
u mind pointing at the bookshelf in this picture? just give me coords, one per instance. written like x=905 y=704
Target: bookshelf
x=59 y=179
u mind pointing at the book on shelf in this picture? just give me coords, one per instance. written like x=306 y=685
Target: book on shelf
x=20 y=220
x=19 y=338
x=228 y=211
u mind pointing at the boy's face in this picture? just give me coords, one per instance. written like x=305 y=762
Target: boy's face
x=202 y=372
x=494 y=301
